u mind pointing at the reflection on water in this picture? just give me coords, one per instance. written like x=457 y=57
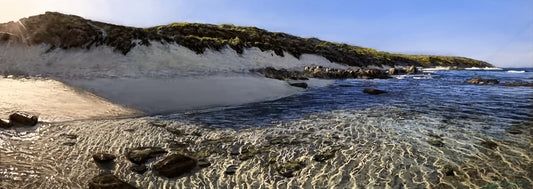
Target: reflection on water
x=423 y=133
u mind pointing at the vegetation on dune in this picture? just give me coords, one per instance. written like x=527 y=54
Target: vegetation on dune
x=67 y=31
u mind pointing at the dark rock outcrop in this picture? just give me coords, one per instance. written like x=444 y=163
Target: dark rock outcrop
x=301 y=85
x=108 y=181
x=141 y=154
x=332 y=73
x=373 y=91
x=323 y=73
x=480 y=81
x=174 y=165
x=23 y=119
x=101 y=157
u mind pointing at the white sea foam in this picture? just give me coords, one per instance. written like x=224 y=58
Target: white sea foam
x=516 y=71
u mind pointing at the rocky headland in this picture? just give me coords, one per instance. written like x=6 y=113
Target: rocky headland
x=61 y=31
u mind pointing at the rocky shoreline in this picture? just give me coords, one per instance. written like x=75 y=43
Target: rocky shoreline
x=332 y=73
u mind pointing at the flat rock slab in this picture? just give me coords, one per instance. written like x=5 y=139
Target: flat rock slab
x=174 y=165
x=108 y=181
x=142 y=154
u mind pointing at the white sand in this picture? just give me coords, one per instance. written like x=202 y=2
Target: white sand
x=154 y=96
x=54 y=101
x=161 y=78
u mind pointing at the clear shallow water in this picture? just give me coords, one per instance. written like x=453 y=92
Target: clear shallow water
x=408 y=137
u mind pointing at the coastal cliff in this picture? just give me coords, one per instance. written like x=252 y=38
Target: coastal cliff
x=61 y=31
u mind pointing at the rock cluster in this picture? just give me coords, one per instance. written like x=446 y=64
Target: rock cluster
x=404 y=70
x=323 y=73
x=480 y=81
x=332 y=73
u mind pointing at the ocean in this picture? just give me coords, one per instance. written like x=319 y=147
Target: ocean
x=430 y=130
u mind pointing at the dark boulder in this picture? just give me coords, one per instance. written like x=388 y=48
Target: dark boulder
x=23 y=119
x=108 y=181
x=301 y=85
x=480 y=81
x=373 y=91
x=101 y=157
x=141 y=154
x=5 y=124
x=174 y=165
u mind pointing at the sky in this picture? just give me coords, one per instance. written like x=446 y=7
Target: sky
x=497 y=31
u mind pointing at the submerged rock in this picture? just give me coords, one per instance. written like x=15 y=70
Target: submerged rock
x=23 y=119
x=231 y=170
x=436 y=142
x=518 y=84
x=448 y=170
x=141 y=154
x=373 y=91
x=138 y=168
x=101 y=157
x=480 y=81
x=489 y=144
x=325 y=155
x=69 y=136
x=174 y=165
x=301 y=85
x=288 y=169
x=204 y=163
x=108 y=181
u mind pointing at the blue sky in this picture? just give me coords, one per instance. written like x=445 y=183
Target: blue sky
x=497 y=31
